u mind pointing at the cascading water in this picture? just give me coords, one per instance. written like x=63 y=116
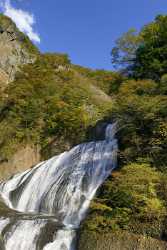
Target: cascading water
x=55 y=195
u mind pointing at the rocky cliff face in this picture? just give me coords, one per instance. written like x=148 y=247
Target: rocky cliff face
x=24 y=158
x=15 y=50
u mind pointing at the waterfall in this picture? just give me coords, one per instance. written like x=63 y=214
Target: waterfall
x=55 y=196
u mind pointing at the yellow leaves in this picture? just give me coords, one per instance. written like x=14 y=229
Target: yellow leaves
x=99 y=221
x=129 y=200
x=160 y=134
x=61 y=104
x=96 y=206
x=138 y=87
x=154 y=208
x=163 y=129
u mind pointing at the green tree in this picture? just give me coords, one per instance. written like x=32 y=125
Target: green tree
x=143 y=54
x=124 y=52
x=48 y=102
x=141 y=113
x=130 y=200
x=151 y=56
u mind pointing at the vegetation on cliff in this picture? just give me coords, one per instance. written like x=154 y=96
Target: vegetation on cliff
x=134 y=197
x=47 y=101
x=6 y=24
x=51 y=101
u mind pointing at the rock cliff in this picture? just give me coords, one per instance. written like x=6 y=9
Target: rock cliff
x=24 y=158
x=15 y=49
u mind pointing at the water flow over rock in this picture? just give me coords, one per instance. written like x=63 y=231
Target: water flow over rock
x=60 y=188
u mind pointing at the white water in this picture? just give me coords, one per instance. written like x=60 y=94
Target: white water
x=23 y=235
x=61 y=187
x=64 y=238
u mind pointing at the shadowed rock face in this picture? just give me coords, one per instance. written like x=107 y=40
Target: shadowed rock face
x=119 y=241
x=24 y=158
x=13 y=51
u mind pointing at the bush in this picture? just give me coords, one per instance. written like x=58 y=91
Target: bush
x=141 y=113
x=130 y=200
x=45 y=103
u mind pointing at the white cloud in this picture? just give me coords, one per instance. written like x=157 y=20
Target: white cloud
x=23 y=19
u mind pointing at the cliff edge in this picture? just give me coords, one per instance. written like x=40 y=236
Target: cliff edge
x=15 y=49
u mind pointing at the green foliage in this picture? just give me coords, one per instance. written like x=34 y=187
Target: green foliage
x=143 y=54
x=163 y=85
x=130 y=200
x=46 y=102
x=124 y=52
x=27 y=44
x=134 y=198
x=54 y=102
x=150 y=59
x=107 y=81
x=141 y=112
x=55 y=60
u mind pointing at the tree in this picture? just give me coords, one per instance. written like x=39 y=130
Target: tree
x=124 y=53
x=141 y=113
x=144 y=54
x=151 y=55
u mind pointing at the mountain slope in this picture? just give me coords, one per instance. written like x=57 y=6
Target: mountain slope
x=50 y=105
x=47 y=104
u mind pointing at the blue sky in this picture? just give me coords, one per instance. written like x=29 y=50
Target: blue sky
x=85 y=29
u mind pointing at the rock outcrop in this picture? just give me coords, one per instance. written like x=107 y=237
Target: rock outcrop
x=24 y=158
x=15 y=49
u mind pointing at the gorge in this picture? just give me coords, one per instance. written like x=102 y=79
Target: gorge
x=57 y=192
x=49 y=105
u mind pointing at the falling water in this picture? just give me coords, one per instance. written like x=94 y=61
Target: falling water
x=54 y=196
